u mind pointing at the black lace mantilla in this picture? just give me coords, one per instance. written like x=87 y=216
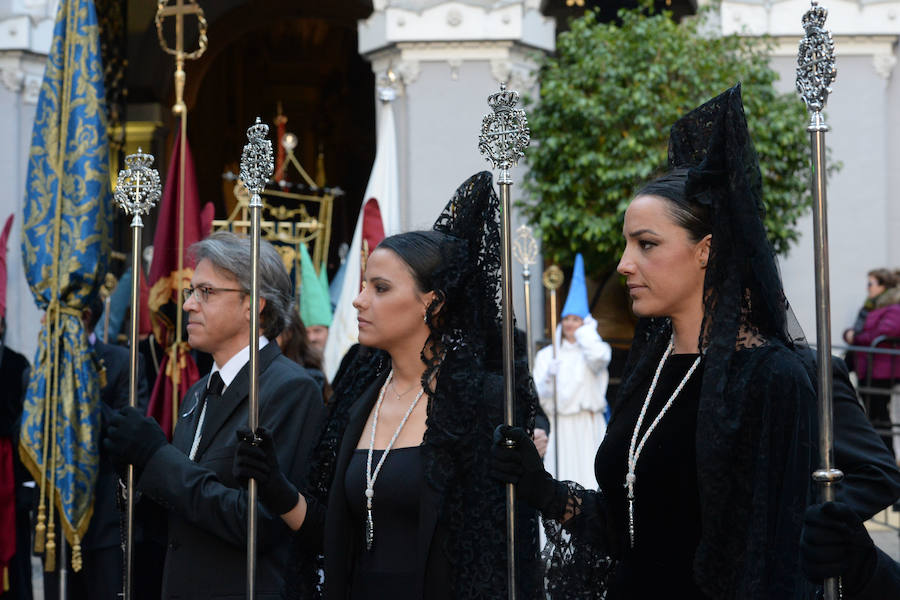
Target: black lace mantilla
x=754 y=444
x=464 y=406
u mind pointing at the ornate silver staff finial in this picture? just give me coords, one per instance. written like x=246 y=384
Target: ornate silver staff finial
x=524 y=247
x=257 y=162
x=815 y=59
x=137 y=188
x=504 y=132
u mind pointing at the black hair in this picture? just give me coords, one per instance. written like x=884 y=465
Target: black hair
x=692 y=216
x=422 y=251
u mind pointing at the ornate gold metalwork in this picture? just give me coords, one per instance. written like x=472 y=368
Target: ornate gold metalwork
x=553 y=277
x=288 y=226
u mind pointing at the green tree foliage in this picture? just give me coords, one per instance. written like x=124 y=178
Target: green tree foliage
x=600 y=127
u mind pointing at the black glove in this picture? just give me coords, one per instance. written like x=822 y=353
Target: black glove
x=132 y=438
x=257 y=459
x=835 y=543
x=522 y=465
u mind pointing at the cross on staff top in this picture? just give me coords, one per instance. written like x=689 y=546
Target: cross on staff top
x=179 y=10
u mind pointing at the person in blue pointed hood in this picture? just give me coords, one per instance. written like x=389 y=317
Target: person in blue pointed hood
x=579 y=372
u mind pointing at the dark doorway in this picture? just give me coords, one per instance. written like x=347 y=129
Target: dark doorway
x=299 y=55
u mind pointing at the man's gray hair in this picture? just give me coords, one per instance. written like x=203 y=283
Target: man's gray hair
x=230 y=253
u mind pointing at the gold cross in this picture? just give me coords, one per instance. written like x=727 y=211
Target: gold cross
x=179 y=10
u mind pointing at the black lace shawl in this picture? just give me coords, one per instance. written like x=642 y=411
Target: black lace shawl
x=756 y=415
x=464 y=406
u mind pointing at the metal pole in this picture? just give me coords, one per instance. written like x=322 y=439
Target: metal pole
x=525 y=250
x=137 y=191
x=504 y=136
x=553 y=278
x=815 y=73
x=257 y=165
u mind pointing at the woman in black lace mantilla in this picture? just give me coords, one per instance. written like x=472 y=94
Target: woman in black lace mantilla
x=427 y=521
x=704 y=473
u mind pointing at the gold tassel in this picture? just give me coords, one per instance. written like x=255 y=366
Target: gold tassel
x=40 y=530
x=76 y=554
x=5 y=580
x=50 y=554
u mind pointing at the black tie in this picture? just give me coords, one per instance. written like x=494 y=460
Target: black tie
x=213 y=392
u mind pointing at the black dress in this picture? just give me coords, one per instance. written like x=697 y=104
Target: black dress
x=388 y=569
x=667 y=502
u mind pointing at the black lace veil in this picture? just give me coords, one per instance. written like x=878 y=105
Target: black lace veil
x=744 y=308
x=464 y=386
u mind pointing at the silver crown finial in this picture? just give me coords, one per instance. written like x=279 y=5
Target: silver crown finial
x=504 y=132
x=815 y=60
x=137 y=188
x=257 y=162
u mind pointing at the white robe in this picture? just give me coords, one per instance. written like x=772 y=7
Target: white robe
x=581 y=382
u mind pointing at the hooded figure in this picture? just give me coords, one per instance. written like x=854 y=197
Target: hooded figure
x=315 y=305
x=579 y=373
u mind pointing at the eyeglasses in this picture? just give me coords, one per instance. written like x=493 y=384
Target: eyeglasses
x=203 y=292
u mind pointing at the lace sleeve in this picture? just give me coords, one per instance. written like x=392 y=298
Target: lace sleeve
x=579 y=544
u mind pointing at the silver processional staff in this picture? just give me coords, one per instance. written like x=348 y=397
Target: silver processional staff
x=504 y=137
x=257 y=165
x=137 y=191
x=815 y=73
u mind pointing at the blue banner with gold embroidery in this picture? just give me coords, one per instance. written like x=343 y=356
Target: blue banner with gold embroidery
x=68 y=212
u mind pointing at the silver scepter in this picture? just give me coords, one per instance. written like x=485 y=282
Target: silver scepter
x=553 y=278
x=504 y=137
x=137 y=191
x=524 y=249
x=257 y=165
x=815 y=73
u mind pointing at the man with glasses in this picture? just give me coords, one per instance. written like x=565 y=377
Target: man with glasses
x=191 y=478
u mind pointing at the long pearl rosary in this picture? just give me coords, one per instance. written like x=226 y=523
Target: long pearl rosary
x=370 y=476
x=635 y=450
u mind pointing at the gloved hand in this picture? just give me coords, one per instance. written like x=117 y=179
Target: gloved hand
x=132 y=438
x=835 y=543
x=522 y=466
x=257 y=459
x=553 y=367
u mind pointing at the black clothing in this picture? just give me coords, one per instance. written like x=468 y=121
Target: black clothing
x=885 y=581
x=387 y=570
x=666 y=486
x=341 y=537
x=871 y=477
x=207 y=509
x=770 y=393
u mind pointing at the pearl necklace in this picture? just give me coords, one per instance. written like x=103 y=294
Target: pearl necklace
x=370 y=476
x=634 y=451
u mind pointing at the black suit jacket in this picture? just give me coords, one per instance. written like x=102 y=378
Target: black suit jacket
x=334 y=529
x=103 y=530
x=207 y=508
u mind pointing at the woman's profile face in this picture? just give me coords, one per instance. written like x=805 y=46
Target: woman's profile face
x=663 y=267
x=390 y=309
x=873 y=287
